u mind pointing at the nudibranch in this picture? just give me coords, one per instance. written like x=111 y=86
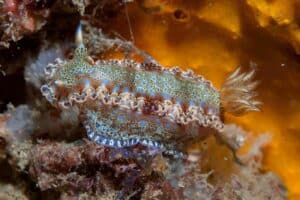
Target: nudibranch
x=124 y=103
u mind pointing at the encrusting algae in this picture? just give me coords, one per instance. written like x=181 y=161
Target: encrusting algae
x=125 y=127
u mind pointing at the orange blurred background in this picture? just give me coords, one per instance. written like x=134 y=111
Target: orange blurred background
x=214 y=37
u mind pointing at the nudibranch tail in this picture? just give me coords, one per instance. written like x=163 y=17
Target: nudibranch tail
x=237 y=94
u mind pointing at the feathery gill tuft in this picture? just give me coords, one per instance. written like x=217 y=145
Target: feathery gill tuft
x=237 y=94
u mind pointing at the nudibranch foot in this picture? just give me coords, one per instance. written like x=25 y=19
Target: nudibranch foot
x=107 y=129
x=154 y=147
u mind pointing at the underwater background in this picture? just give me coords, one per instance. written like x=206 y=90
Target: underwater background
x=211 y=37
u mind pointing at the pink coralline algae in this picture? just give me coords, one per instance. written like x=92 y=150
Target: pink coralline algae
x=18 y=18
x=105 y=167
x=88 y=168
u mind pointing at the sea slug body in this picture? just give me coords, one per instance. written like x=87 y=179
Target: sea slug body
x=124 y=103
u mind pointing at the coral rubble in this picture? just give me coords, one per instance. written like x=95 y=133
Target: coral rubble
x=83 y=168
x=10 y=192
